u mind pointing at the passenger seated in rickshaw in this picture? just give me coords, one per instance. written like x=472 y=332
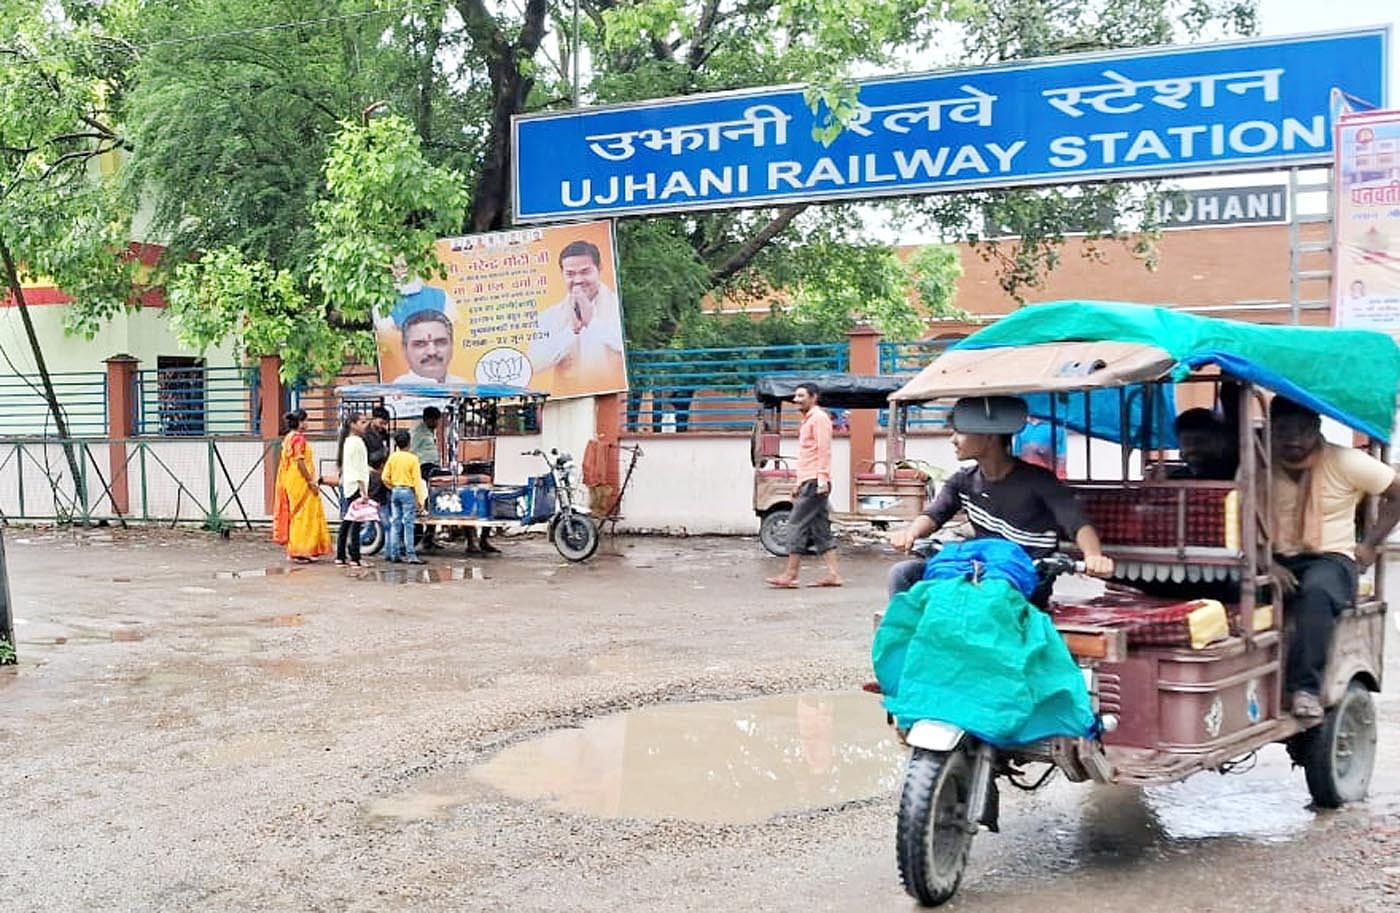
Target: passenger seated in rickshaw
x=1004 y=497
x=1209 y=447
x=1317 y=487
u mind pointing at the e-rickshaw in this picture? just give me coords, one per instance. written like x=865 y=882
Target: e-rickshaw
x=887 y=491
x=1171 y=700
x=465 y=493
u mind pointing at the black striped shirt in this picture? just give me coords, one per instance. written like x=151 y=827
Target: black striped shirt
x=1029 y=506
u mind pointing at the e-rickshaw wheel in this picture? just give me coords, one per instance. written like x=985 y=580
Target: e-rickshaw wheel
x=1342 y=751
x=933 y=837
x=371 y=537
x=575 y=536
x=772 y=530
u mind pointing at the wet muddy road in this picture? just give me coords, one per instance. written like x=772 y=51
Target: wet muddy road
x=194 y=728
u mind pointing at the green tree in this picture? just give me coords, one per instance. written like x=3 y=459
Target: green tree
x=232 y=118
x=384 y=204
x=932 y=274
x=60 y=218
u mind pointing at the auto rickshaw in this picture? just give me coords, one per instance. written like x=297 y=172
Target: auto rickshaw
x=465 y=493
x=887 y=491
x=1168 y=703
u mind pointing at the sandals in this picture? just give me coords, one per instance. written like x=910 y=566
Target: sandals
x=782 y=583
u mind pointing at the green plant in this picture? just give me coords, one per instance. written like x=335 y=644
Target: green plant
x=7 y=653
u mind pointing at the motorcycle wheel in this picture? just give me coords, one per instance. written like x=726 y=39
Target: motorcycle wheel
x=933 y=837
x=575 y=536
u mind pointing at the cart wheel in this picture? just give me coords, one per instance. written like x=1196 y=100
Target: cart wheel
x=933 y=837
x=371 y=537
x=575 y=536
x=1342 y=752
x=772 y=531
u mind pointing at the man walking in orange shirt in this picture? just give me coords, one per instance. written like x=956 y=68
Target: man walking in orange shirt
x=809 y=524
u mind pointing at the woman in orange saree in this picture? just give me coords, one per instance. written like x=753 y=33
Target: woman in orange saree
x=298 y=519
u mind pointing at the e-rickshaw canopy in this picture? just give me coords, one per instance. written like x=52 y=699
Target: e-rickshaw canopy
x=1349 y=375
x=838 y=391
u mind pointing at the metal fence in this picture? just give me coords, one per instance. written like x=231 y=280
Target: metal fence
x=82 y=396
x=908 y=359
x=196 y=401
x=712 y=389
x=215 y=482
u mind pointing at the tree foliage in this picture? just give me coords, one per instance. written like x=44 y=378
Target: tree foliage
x=234 y=108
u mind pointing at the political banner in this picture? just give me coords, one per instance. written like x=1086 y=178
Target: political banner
x=535 y=308
x=1366 y=269
x=1144 y=112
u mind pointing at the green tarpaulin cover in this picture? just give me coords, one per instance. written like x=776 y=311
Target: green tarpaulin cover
x=979 y=656
x=1350 y=375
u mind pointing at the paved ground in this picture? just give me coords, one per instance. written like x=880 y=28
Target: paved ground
x=178 y=738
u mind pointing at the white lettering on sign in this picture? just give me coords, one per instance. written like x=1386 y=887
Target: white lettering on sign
x=1119 y=94
x=1252 y=137
x=678 y=140
x=1223 y=206
x=973 y=108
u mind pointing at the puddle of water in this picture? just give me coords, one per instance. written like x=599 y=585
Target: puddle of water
x=738 y=762
x=1249 y=806
x=433 y=798
x=394 y=573
x=277 y=570
x=415 y=574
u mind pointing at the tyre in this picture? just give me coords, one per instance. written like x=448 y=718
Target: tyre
x=933 y=837
x=1342 y=751
x=575 y=536
x=772 y=531
x=371 y=538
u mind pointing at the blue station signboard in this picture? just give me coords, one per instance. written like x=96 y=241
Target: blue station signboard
x=1150 y=112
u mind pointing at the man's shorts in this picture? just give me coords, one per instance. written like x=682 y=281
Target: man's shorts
x=809 y=525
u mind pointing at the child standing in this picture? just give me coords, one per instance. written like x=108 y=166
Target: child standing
x=403 y=476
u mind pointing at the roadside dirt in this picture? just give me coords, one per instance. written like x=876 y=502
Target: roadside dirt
x=192 y=727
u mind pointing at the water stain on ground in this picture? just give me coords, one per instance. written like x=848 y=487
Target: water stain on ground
x=250 y=746
x=738 y=762
x=294 y=620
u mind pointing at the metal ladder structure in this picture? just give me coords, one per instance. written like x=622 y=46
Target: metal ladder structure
x=1304 y=253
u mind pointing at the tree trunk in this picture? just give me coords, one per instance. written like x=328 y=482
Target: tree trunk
x=60 y=424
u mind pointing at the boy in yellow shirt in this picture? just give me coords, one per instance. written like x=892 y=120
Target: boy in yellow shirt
x=403 y=476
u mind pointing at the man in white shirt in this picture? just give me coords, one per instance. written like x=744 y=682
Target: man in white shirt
x=579 y=332
x=427 y=345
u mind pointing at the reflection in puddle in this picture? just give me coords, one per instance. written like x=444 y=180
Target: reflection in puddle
x=277 y=570
x=738 y=762
x=393 y=573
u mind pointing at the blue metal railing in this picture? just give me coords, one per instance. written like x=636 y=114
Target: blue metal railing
x=909 y=358
x=712 y=389
x=82 y=396
x=196 y=401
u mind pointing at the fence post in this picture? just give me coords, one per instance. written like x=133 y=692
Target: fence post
x=607 y=428
x=121 y=424
x=269 y=422
x=864 y=358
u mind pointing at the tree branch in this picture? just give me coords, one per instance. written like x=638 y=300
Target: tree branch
x=750 y=248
